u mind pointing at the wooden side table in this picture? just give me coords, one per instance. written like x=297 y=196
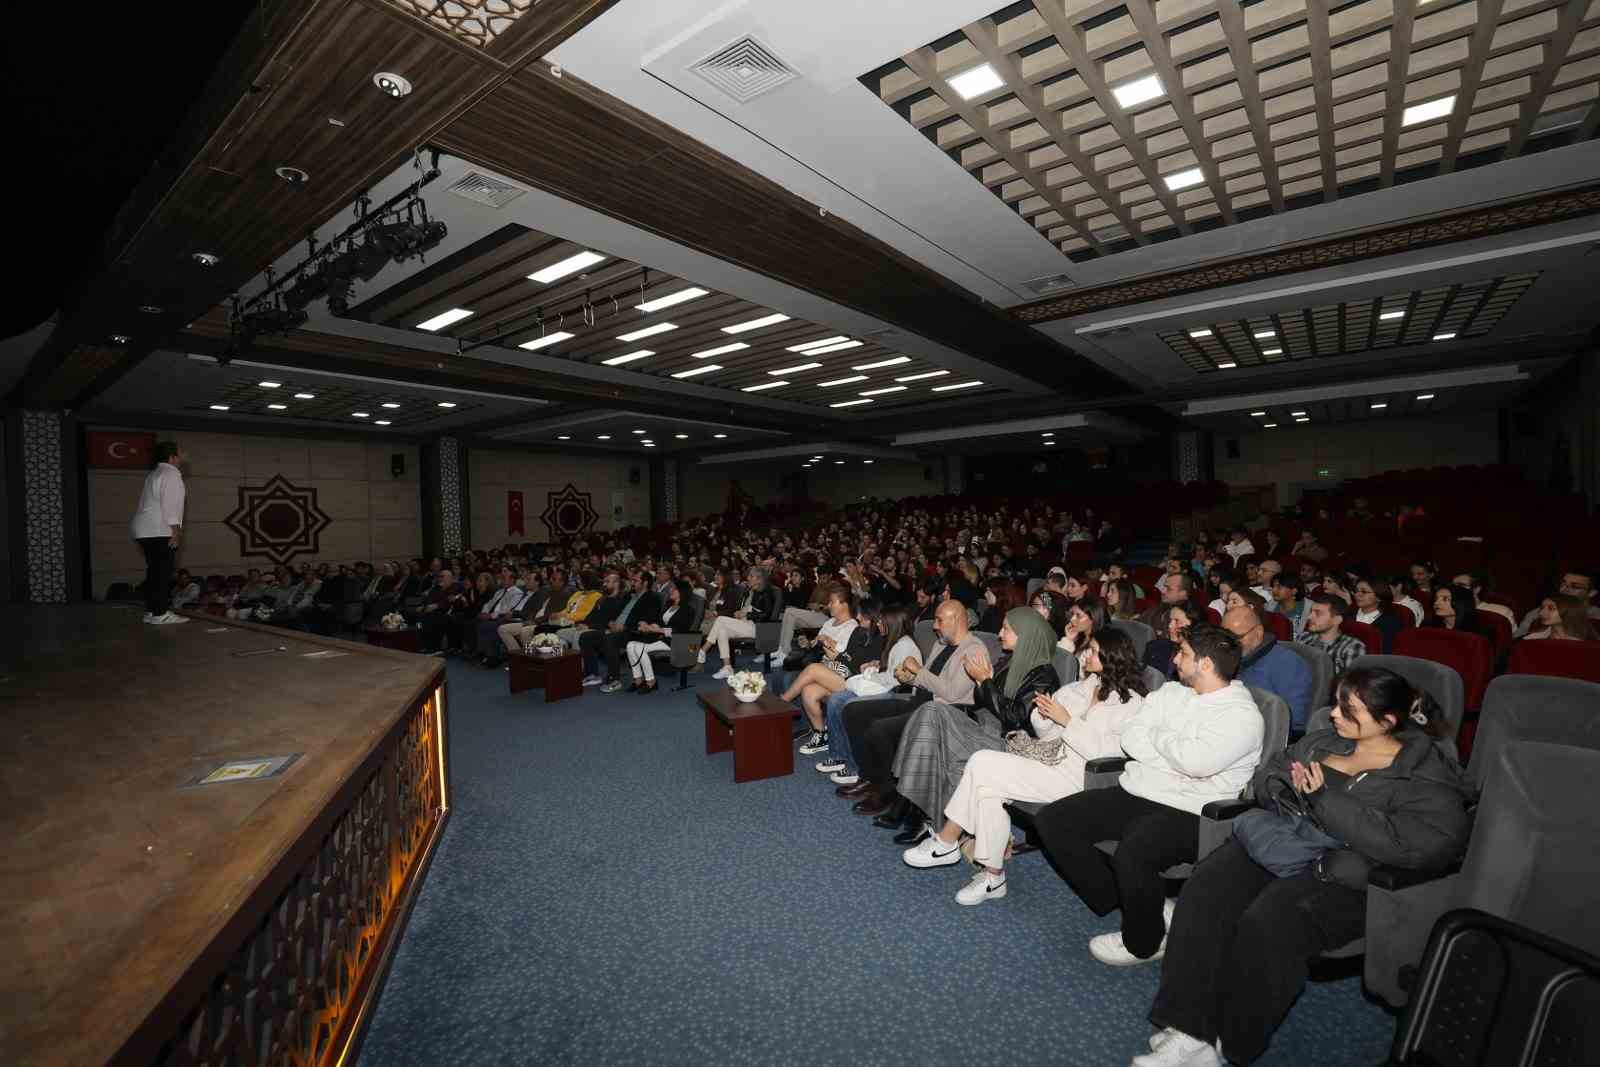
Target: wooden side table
x=406 y=639
x=758 y=733
x=560 y=676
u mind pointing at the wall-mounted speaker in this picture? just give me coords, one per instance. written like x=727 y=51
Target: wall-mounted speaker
x=1233 y=448
x=397 y=464
x=633 y=475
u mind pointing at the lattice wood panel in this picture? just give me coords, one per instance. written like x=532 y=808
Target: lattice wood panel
x=1260 y=107
x=477 y=22
x=1449 y=312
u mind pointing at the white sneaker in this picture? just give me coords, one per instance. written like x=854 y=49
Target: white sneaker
x=1178 y=1049
x=1108 y=948
x=841 y=778
x=984 y=886
x=776 y=660
x=168 y=619
x=817 y=742
x=592 y=679
x=149 y=617
x=725 y=672
x=1168 y=906
x=932 y=852
x=830 y=766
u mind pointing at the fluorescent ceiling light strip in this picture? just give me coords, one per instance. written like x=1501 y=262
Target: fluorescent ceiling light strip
x=807 y=346
x=895 y=362
x=886 y=389
x=958 y=385
x=693 y=371
x=755 y=324
x=1272 y=351
x=389 y=381
x=1444 y=336
x=1197 y=334
x=1265 y=335
x=762 y=387
x=720 y=350
x=1388 y=315
x=1427 y=112
x=1226 y=366
x=219 y=407
x=796 y=369
x=842 y=381
x=443 y=319
x=546 y=341
x=627 y=357
x=840 y=347
x=562 y=268
x=682 y=296
x=976 y=81
x=1183 y=179
x=1136 y=92
x=648 y=331
x=923 y=375
x=849 y=403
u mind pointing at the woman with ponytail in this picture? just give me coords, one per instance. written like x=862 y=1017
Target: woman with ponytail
x=1379 y=786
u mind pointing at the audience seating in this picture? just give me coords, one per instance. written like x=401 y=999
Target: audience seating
x=1066 y=665
x=765 y=642
x=1500 y=627
x=991 y=645
x=1278 y=626
x=1563 y=659
x=925 y=637
x=1321 y=666
x=1139 y=633
x=1364 y=632
x=686 y=645
x=1470 y=655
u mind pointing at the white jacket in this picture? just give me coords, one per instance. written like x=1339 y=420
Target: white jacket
x=1188 y=749
x=1093 y=732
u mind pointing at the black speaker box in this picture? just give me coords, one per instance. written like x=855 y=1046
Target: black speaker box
x=397 y=464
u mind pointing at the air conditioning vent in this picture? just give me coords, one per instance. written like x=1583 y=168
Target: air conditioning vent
x=744 y=70
x=1050 y=283
x=482 y=189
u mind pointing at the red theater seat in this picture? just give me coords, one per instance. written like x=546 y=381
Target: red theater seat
x=1278 y=626
x=1471 y=655
x=1560 y=659
x=1364 y=632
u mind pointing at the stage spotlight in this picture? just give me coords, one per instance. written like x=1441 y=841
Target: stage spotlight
x=311 y=285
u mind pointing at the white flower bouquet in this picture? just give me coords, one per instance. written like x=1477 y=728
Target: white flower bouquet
x=394 y=621
x=747 y=685
x=543 y=645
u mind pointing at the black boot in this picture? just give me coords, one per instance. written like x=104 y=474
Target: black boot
x=892 y=817
x=913 y=826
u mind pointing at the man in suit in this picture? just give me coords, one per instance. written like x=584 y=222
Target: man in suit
x=644 y=606
x=540 y=601
x=496 y=612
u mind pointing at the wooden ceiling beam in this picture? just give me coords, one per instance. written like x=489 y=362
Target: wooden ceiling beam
x=1231 y=17
x=1556 y=48
x=1322 y=92
x=1471 y=74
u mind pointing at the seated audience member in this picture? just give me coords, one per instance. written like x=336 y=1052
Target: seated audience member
x=1042 y=763
x=1116 y=572
x=1455 y=609
x=642 y=605
x=657 y=636
x=1288 y=600
x=1309 y=547
x=1374 y=601
x=1266 y=666
x=1221 y=584
x=939 y=738
x=877 y=677
x=1055 y=580
x=587 y=591
x=760 y=605
x=1336 y=585
x=1162 y=651
x=1077 y=587
x=827 y=662
x=1324 y=615
x=1574 y=583
x=497 y=612
x=929 y=593
x=1380 y=789
x=1310 y=578
x=1478 y=582
x=1271 y=543
x=588 y=636
x=185 y=590
x=1193 y=741
x=1405 y=596
x=292 y=606
x=1120 y=601
x=435 y=621
x=874 y=724
x=1084 y=621
x=1266 y=571
x=1561 y=618
x=812 y=617
x=999 y=597
x=1052 y=607
x=1243 y=598
x=1174 y=568
x=1178 y=589
x=1239 y=545
x=535 y=609
x=725 y=597
x=1424 y=578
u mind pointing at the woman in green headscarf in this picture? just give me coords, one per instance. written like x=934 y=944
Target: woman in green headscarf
x=940 y=738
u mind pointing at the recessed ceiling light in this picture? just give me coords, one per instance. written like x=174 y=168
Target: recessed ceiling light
x=895 y=362
x=219 y=407
x=755 y=324
x=1269 y=426
x=626 y=357
x=447 y=404
x=546 y=341
x=719 y=436
x=277 y=407
x=270 y=385
x=796 y=369
x=1136 y=92
x=682 y=296
x=1272 y=351
x=396 y=85
x=958 y=385
x=842 y=381
x=305 y=396
x=563 y=437
x=1433 y=109
x=1302 y=419
x=1048 y=433
x=820 y=342
x=444 y=318
x=648 y=444
x=886 y=389
x=681 y=436
x=391 y=405
x=361 y=414
x=562 y=268
x=149 y=309
x=976 y=81
x=1183 y=179
x=694 y=371
x=719 y=350
x=1197 y=334
x=292 y=175
x=205 y=259
x=924 y=374
x=1424 y=396
x=602 y=437
x=1258 y=413
x=380 y=422
x=851 y=403
x=1226 y=366
x=120 y=338
x=1049 y=442
x=641 y=433
x=1296 y=413
x=763 y=386
x=840 y=347
x=1376 y=407
x=1265 y=335
x=1443 y=336
x=1387 y=315
x=648 y=331
x=866 y=462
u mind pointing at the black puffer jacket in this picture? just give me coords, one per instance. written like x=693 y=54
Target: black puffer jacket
x=1015 y=712
x=764 y=605
x=1411 y=814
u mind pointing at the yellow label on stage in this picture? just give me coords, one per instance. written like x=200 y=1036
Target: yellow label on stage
x=233 y=771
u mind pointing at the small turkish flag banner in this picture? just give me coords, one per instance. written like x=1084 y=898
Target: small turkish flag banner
x=514 y=511
x=130 y=451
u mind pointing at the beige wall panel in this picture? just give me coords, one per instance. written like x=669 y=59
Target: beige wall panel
x=338 y=459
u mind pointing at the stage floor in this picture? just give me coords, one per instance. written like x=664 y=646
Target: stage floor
x=116 y=876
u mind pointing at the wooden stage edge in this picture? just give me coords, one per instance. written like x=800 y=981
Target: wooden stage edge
x=260 y=924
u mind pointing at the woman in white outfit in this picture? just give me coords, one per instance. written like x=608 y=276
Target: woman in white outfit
x=644 y=670
x=1081 y=722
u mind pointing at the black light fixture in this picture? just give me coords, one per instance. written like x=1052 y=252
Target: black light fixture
x=395 y=85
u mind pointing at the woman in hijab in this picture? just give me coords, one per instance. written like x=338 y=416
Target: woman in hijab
x=940 y=737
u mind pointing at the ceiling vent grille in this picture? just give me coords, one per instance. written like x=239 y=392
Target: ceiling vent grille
x=1050 y=283
x=744 y=70
x=482 y=189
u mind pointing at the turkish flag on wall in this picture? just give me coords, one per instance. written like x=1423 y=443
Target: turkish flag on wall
x=130 y=451
x=514 y=511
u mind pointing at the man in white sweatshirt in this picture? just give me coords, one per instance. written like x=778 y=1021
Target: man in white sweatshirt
x=1194 y=741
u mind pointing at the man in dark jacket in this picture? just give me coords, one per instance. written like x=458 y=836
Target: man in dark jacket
x=593 y=629
x=643 y=606
x=1266 y=666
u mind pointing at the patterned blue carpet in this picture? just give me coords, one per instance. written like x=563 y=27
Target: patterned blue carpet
x=605 y=893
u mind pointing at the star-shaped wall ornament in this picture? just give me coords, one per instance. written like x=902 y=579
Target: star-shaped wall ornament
x=278 y=520
x=569 y=512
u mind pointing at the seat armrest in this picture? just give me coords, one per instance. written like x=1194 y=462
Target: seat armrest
x=1397 y=878
x=1222 y=810
x=1107 y=765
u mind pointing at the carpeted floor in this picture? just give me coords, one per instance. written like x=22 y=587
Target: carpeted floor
x=605 y=893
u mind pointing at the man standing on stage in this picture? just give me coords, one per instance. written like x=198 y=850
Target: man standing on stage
x=158 y=527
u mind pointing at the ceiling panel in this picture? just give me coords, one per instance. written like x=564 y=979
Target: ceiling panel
x=1110 y=126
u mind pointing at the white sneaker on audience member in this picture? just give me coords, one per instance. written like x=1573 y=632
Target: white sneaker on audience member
x=932 y=852
x=841 y=778
x=1108 y=948
x=830 y=766
x=985 y=885
x=817 y=742
x=167 y=619
x=1178 y=1049
x=149 y=617
x=725 y=672
x=592 y=679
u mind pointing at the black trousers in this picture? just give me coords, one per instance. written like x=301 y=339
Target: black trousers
x=1240 y=945
x=616 y=646
x=874 y=725
x=591 y=643
x=1150 y=838
x=439 y=630
x=158 y=570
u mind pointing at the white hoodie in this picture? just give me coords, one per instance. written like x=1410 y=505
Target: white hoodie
x=1188 y=749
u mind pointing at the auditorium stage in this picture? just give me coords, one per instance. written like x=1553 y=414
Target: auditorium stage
x=151 y=918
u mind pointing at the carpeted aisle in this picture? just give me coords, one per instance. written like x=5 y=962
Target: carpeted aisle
x=606 y=894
